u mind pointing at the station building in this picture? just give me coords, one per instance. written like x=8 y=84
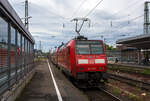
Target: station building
x=135 y=49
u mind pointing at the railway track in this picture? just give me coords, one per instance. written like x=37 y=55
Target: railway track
x=130 y=81
x=99 y=94
x=130 y=72
x=113 y=96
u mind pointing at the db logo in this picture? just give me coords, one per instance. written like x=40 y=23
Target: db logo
x=91 y=61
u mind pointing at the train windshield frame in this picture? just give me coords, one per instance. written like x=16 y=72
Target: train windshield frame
x=89 y=47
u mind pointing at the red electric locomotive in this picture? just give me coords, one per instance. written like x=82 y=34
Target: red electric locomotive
x=84 y=60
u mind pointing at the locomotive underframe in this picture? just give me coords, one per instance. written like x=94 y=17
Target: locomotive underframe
x=91 y=76
x=91 y=79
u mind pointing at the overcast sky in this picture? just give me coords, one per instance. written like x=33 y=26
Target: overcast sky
x=49 y=16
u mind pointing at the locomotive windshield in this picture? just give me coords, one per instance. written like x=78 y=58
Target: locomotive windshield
x=89 y=47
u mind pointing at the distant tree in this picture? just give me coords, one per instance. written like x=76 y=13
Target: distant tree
x=108 y=47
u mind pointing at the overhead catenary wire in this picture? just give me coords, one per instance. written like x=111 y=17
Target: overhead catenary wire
x=89 y=14
x=78 y=8
x=132 y=11
x=93 y=8
x=129 y=20
x=135 y=3
x=120 y=27
x=137 y=17
x=125 y=9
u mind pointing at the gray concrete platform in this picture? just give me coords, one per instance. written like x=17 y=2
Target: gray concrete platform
x=41 y=87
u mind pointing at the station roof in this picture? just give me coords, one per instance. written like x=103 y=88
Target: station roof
x=140 y=41
x=11 y=13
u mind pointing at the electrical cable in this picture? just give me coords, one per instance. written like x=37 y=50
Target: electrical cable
x=118 y=27
x=79 y=7
x=137 y=17
x=132 y=4
x=93 y=8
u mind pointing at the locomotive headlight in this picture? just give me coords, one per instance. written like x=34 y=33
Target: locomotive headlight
x=82 y=61
x=99 y=60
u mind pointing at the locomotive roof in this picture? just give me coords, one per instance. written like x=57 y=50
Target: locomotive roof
x=78 y=38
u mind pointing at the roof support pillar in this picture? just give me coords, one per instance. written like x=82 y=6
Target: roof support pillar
x=139 y=56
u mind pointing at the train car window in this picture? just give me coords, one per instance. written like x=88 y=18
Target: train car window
x=89 y=47
x=3 y=43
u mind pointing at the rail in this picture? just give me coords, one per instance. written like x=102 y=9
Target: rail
x=100 y=94
x=110 y=94
x=130 y=81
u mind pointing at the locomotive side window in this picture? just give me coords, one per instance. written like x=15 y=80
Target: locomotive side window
x=89 y=47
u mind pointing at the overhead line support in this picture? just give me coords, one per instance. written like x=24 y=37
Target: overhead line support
x=26 y=15
x=146 y=18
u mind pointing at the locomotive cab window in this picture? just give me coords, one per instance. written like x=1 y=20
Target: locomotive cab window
x=83 y=49
x=97 y=49
x=89 y=47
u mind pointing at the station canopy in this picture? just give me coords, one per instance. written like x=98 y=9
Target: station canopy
x=140 y=41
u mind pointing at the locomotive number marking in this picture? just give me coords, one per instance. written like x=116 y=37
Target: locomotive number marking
x=91 y=68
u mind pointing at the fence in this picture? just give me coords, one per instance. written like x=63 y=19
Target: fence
x=126 y=56
x=16 y=54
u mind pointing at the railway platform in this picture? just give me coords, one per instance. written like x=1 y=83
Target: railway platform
x=49 y=84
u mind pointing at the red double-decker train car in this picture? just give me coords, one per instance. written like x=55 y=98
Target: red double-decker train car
x=84 y=60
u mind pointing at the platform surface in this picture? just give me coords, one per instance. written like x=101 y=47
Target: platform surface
x=41 y=87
